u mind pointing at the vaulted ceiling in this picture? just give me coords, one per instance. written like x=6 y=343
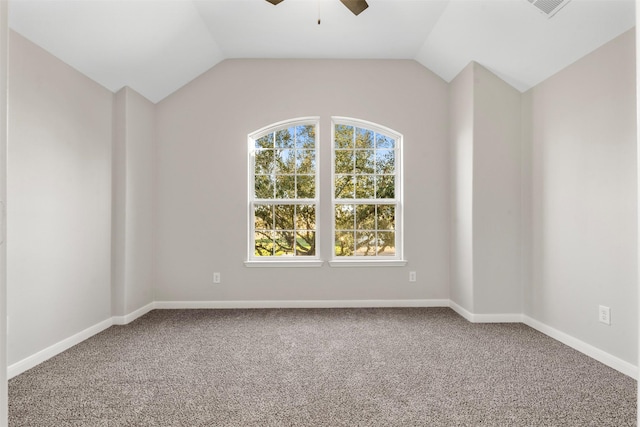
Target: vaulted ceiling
x=157 y=46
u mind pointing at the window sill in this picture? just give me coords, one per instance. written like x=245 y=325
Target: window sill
x=284 y=263
x=368 y=263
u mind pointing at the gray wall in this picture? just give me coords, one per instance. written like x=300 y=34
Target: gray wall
x=4 y=35
x=59 y=185
x=461 y=159
x=485 y=137
x=583 y=195
x=133 y=177
x=496 y=195
x=201 y=182
x=637 y=36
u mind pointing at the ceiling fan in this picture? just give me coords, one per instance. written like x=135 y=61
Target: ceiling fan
x=355 y=6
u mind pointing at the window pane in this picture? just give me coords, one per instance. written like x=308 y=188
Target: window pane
x=366 y=243
x=386 y=243
x=365 y=169
x=284 y=178
x=264 y=161
x=284 y=138
x=306 y=243
x=344 y=217
x=385 y=187
x=284 y=243
x=285 y=161
x=365 y=161
x=263 y=187
x=386 y=215
x=284 y=217
x=344 y=161
x=305 y=161
x=263 y=217
x=385 y=161
x=365 y=217
x=344 y=136
x=306 y=186
x=344 y=187
x=305 y=217
x=365 y=187
x=265 y=142
x=285 y=186
x=344 y=243
x=263 y=243
x=384 y=141
x=364 y=138
x=305 y=136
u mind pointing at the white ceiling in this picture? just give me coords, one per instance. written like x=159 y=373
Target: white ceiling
x=157 y=46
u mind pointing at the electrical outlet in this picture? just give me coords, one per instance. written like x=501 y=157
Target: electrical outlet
x=412 y=276
x=604 y=315
x=216 y=277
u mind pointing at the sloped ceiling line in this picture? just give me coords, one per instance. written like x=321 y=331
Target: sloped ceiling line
x=157 y=46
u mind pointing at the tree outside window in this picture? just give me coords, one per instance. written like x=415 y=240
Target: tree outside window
x=365 y=181
x=284 y=197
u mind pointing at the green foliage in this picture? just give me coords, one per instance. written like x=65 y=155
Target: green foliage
x=285 y=168
x=364 y=164
x=285 y=230
x=364 y=229
x=285 y=164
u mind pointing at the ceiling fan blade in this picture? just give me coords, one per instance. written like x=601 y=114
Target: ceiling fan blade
x=355 y=6
x=274 y=2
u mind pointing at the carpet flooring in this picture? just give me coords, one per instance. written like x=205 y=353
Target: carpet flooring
x=320 y=367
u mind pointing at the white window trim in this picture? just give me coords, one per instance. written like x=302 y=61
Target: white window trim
x=368 y=263
x=288 y=262
x=355 y=261
x=282 y=261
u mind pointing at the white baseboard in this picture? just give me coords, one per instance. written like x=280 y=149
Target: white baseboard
x=581 y=346
x=498 y=318
x=461 y=311
x=124 y=320
x=485 y=318
x=303 y=304
x=591 y=351
x=55 y=349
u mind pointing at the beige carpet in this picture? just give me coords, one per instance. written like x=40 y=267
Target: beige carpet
x=320 y=367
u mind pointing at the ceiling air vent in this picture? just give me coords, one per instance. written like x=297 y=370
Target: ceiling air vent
x=549 y=7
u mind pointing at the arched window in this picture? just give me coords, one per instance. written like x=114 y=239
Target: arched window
x=367 y=192
x=365 y=200
x=283 y=191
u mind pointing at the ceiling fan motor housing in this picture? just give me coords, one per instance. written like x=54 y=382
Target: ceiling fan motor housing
x=355 y=6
